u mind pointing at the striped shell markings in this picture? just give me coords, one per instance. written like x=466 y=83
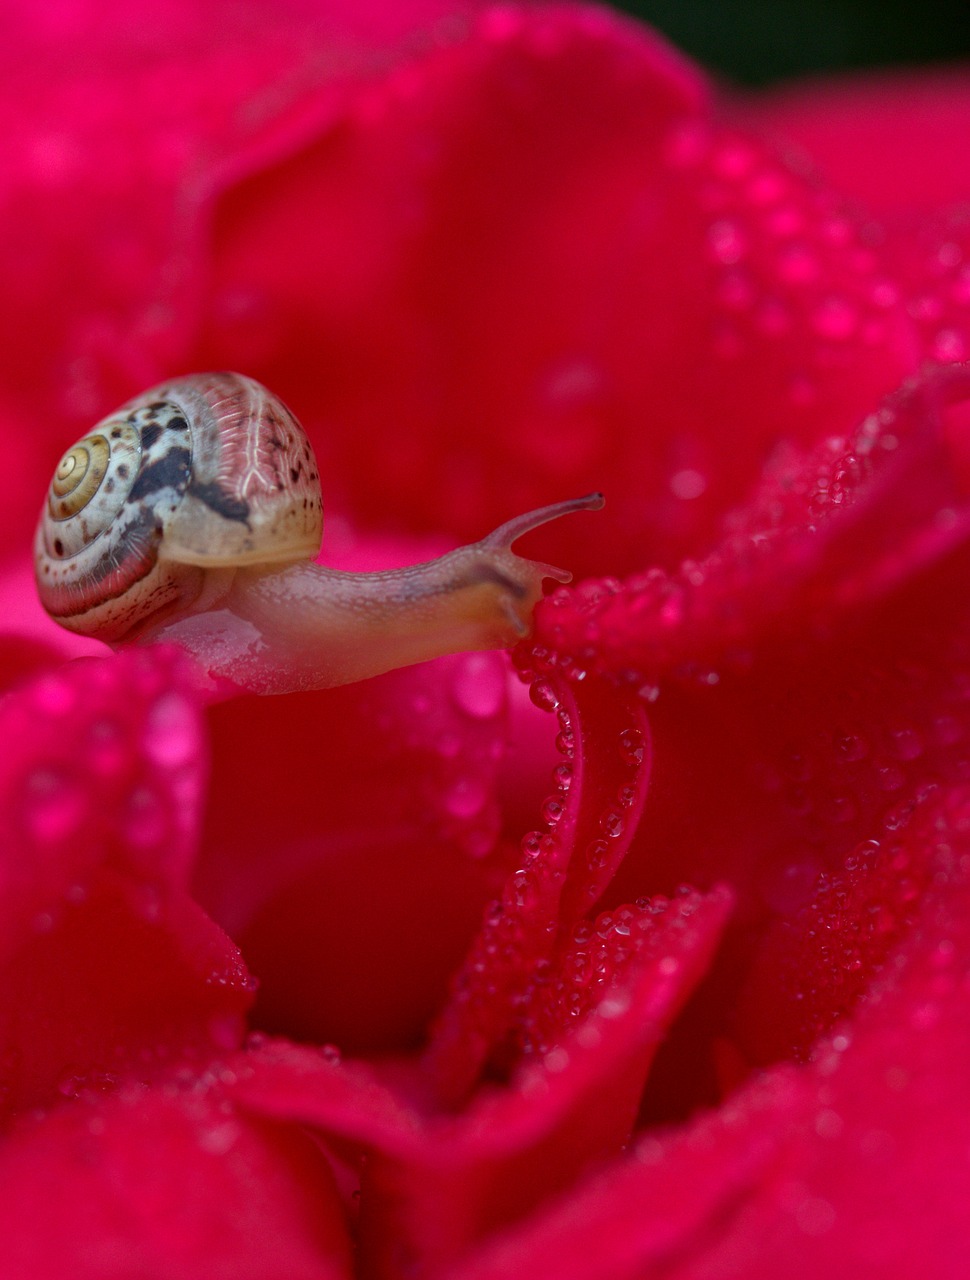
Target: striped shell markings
x=203 y=473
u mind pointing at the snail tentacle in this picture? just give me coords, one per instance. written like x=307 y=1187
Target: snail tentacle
x=194 y=515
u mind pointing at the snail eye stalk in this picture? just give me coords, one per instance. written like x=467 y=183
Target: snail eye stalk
x=194 y=515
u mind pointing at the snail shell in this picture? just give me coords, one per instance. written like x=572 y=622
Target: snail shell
x=202 y=473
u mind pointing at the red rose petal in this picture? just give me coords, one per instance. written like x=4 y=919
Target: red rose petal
x=572 y=229
x=561 y=876
x=798 y=713
x=129 y=122
x=109 y=970
x=898 y=140
x=827 y=532
x=432 y=1185
x=169 y=1186
x=354 y=826
x=854 y=1165
x=576 y=1103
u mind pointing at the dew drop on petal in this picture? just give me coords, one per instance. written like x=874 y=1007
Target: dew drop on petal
x=815 y=1216
x=544 y=695
x=907 y=744
x=797 y=264
x=465 y=798
x=726 y=241
x=55 y=805
x=171 y=737
x=631 y=746
x=55 y=696
x=835 y=319
x=687 y=484
x=851 y=747
x=521 y=891
x=597 y=854
x=552 y=810
x=611 y=823
x=949 y=346
x=145 y=821
x=107 y=750
x=478 y=687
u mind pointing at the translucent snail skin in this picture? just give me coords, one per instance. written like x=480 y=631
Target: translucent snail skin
x=194 y=514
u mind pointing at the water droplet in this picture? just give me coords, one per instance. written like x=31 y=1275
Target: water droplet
x=687 y=484
x=685 y=145
x=552 y=810
x=107 y=751
x=615 y=1005
x=733 y=159
x=835 y=319
x=926 y=308
x=727 y=242
x=521 y=891
x=563 y=775
x=55 y=805
x=889 y=777
x=465 y=798
x=626 y=796
x=851 y=747
x=171 y=738
x=797 y=264
x=631 y=746
x=55 y=696
x=556 y=1061
x=145 y=821
x=218 y=1139
x=71 y=1084
x=479 y=687
x=544 y=695
x=960 y=288
x=597 y=854
x=815 y=1216
x=788 y=220
x=907 y=744
x=766 y=187
x=611 y=823
x=949 y=346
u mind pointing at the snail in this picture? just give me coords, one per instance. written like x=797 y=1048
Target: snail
x=194 y=515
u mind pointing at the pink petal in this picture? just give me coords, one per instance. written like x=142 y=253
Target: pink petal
x=806 y=695
x=897 y=140
x=129 y=121
x=348 y=828
x=433 y=1185
x=573 y=229
x=109 y=969
x=560 y=877
x=827 y=532
x=167 y=1185
x=854 y=1165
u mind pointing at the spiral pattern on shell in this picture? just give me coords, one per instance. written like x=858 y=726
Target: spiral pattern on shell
x=202 y=473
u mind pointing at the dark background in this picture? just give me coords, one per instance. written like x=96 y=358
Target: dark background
x=757 y=41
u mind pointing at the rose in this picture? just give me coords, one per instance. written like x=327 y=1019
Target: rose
x=536 y=226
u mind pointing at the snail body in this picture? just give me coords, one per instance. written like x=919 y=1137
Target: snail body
x=194 y=514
